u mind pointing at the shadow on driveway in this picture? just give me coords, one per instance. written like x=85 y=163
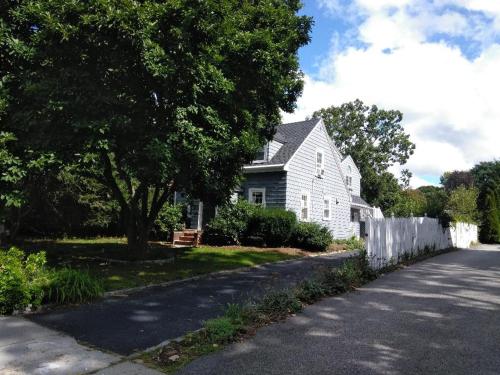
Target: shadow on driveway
x=441 y=316
x=124 y=324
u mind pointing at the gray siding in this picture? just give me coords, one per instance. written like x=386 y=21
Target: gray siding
x=301 y=176
x=273 y=182
x=356 y=176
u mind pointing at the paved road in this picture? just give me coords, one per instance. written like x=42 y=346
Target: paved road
x=441 y=316
x=125 y=324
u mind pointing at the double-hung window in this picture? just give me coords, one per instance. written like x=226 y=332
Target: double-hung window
x=257 y=196
x=327 y=207
x=305 y=206
x=320 y=163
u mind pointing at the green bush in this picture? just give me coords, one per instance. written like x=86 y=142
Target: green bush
x=230 y=224
x=312 y=237
x=274 y=225
x=73 y=286
x=220 y=330
x=22 y=280
x=277 y=305
x=170 y=219
x=309 y=291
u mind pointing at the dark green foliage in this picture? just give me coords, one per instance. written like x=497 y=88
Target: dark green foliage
x=375 y=138
x=410 y=203
x=22 y=280
x=278 y=305
x=312 y=237
x=73 y=286
x=309 y=291
x=69 y=202
x=456 y=179
x=162 y=95
x=462 y=205
x=230 y=225
x=247 y=223
x=487 y=179
x=219 y=330
x=275 y=226
x=490 y=228
x=436 y=199
x=170 y=219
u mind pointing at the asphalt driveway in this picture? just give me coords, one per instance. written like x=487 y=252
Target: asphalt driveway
x=127 y=323
x=441 y=316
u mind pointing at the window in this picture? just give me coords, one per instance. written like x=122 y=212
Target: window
x=327 y=207
x=355 y=215
x=348 y=178
x=320 y=163
x=262 y=154
x=305 y=202
x=257 y=196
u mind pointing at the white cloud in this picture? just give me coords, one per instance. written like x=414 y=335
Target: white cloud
x=450 y=101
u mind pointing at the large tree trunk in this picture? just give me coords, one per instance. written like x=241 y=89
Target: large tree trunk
x=138 y=211
x=137 y=239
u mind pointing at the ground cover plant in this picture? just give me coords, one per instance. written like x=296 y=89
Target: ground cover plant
x=27 y=282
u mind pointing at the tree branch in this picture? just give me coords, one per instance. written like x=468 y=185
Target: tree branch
x=110 y=178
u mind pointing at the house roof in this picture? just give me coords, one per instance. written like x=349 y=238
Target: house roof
x=359 y=201
x=291 y=135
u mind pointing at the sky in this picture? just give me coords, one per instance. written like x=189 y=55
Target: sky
x=437 y=61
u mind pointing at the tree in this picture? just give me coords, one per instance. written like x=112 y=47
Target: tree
x=455 y=179
x=374 y=138
x=487 y=179
x=462 y=205
x=165 y=96
x=410 y=203
x=436 y=199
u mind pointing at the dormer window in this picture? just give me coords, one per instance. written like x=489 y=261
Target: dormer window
x=262 y=154
x=320 y=163
x=348 y=178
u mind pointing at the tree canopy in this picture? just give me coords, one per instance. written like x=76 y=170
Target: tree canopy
x=376 y=140
x=162 y=96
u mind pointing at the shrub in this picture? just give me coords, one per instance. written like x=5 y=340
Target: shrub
x=312 y=237
x=220 y=330
x=22 y=281
x=277 y=305
x=309 y=291
x=230 y=224
x=170 y=219
x=73 y=286
x=274 y=225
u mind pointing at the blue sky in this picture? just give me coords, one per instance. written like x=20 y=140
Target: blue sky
x=436 y=61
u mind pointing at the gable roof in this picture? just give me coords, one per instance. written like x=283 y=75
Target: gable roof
x=359 y=201
x=291 y=135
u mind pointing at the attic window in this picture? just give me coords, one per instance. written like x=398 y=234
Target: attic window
x=348 y=178
x=262 y=154
x=320 y=163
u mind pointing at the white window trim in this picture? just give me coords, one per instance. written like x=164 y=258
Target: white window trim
x=257 y=190
x=319 y=171
x=266 y=154
x=308 y=194
x=329 y=198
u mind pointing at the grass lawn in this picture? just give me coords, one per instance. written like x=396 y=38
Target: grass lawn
x=108 y=259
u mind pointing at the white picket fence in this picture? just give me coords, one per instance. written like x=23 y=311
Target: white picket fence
x=389 y=239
